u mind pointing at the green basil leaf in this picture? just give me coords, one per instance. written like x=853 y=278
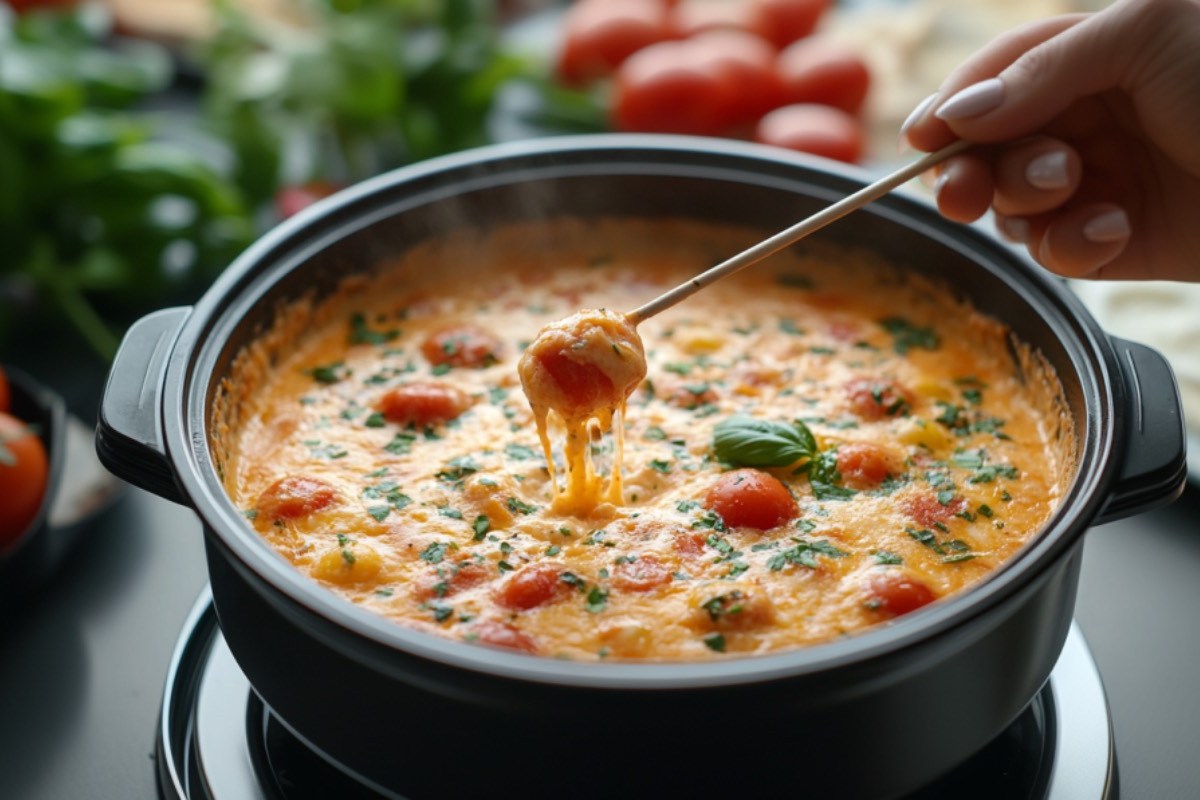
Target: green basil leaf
x=748 y=442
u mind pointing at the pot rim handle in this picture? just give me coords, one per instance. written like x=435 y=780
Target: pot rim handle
x=1154 y=461
x=129 y=432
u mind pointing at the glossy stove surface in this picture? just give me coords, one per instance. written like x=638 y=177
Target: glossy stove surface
x=218 y=741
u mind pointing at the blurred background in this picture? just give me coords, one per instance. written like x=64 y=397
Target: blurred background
x=144 y=143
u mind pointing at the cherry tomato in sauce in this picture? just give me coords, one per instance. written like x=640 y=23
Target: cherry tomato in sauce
x=22 y=6
x=691 y=17
x=423 y=403
x=501 y=634
x=582 y=385
x=748 y=62
x=813 y=128
x=863 y=465
x=599 y=35
x=532 y=586
x=785 y=21
x=24 y=471
x=461 y=346
x=894 y=594
x=823 y=71
x=751 y=498
x=295 y=496
x=878 y=398
x=456 y=578
x=672 y=87
x=641 y=575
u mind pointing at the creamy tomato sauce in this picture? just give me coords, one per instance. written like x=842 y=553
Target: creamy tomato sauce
x=822 y=443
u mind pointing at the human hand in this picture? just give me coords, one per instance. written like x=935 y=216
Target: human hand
x=1089 y=140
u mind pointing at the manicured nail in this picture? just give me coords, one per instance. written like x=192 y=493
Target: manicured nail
x=1015 y=229
x=1048 y=171
x=972 y=101
x=1111 y=226
x=917 y=113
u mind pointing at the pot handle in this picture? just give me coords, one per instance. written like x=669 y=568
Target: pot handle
x=129 y=433
x=1154 y=467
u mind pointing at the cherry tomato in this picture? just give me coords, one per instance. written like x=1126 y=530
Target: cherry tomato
x=459 y=577
x=295 y=496
x=24 y=471
x=822 y=71
x=813 y=128
x=693 y=16
x=532 y=586
x=291 y=200
x=894 y=594
x=926 y=510
x=877 y=398
x=751 y=498
x=21 y=6
x=785 y=21
x=863 y=465
x=673 y=87
x=501 y=634
x=423 y=403
x=748 y=62
x=461 y=346
x=5 y=393
x=641 y=575
x=598 y=35
x=582 y=387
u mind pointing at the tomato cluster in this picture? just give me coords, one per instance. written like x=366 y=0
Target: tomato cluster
x=24 y=471
x=742 y=68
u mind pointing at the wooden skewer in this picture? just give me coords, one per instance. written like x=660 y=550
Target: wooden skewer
x=795 y=233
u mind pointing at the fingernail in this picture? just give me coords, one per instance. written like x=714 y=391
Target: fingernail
x=1111 y=226
x=917 y=113
x=1015 y=229
x=1048 y=171
x=972 y=101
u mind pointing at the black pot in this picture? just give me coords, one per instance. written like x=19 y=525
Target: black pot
x=874 y=715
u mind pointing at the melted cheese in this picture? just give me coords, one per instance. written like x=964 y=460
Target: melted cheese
x=379 y=441
x=583 y=368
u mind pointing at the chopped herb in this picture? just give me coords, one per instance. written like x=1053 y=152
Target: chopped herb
x=553 y=550
x=343 y=540
x=439 y=369
x=747 y=442
x=985 y=510
x=794 y=280
x=250 y=514
x=655 y=434
x=348 y=557
x=481 y=526
x=441 y=611
x=968 y=459
x=724 y=605
x=362 y=333
x=458 y=469
x=945 y=497
x=573 y=580
x=788 y=326
x=973 y=396
x=452 y=513
x=805 y=554
x=597 y=599
x=710 y=519
x=517 y=506
x=661 y=466
x=679 y=368
x=386 y=591
x=375 y=420
x=957 y=557
x=379 y=512
x=989 y=473
x=715 y=642
x=504 y=566
x=329 y=373
x=519 y=452
x=684 y=506
x=887 y=557
x=401 y=443
x=907 y=336
x=806 y=525
x=434 y=553
x=736 y=569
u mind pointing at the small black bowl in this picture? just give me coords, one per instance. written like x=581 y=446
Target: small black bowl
x=77 y=492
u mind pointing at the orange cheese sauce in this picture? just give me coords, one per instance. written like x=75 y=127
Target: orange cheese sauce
x=380 y=441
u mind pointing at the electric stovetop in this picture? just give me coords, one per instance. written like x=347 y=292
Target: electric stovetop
x=84 y=663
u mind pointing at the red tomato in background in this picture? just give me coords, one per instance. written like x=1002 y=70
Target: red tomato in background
x=291 y=200
x=24 y=471
x=748 y=62
x=818 y=70
x=751 y=498
x=813 y=128
x=693 y=16
x=784 y=21
x=674 y=87
x=5 y=393
x=598 y=35
x=21 y=6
